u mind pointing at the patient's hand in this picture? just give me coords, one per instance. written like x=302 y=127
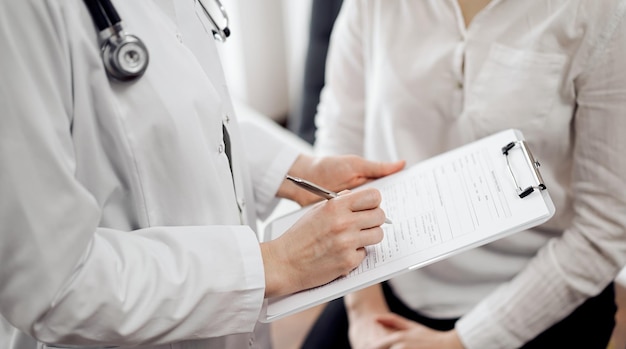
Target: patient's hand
x=335 y=173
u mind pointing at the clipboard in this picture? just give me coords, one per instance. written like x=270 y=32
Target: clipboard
x=455 y=201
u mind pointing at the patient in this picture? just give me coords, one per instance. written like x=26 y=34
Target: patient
x=411 y=79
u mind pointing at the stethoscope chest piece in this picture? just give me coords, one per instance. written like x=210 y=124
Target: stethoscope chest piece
x=125 y=57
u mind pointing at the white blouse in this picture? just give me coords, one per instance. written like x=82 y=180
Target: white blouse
x=407 y=80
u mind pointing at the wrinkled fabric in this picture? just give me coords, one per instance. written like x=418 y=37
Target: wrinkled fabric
x=407 y=80
x=122 y=224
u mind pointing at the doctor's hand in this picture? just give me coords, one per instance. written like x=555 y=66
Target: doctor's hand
x=335 y=173
x=326 y=243
x=407 y=334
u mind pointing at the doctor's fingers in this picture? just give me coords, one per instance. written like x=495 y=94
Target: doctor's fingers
x=361 y=228
x=370 y=236
x=371 y=218
x=364 y=199
x=341 y=220
x=355 y=259
x=350 y=247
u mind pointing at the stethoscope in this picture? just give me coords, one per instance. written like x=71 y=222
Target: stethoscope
x=124 y=55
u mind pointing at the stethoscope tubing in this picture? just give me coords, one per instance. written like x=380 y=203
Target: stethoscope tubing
x=124 y=55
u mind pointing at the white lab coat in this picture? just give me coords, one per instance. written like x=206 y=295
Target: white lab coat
x=120 y=225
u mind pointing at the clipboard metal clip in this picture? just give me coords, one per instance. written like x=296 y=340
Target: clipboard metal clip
x=534 y=165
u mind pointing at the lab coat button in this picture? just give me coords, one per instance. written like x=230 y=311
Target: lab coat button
x=250 y=342
x=226 y=118
x=220 y=148
x=179 y=36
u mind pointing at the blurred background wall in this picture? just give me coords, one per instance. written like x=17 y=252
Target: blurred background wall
x=265 y=55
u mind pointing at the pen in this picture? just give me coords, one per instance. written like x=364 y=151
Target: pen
x=317 y=190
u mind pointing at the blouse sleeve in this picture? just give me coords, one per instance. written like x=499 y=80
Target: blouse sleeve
x=341 y=112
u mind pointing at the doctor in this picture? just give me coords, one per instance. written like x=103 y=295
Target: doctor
x=128 y=201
